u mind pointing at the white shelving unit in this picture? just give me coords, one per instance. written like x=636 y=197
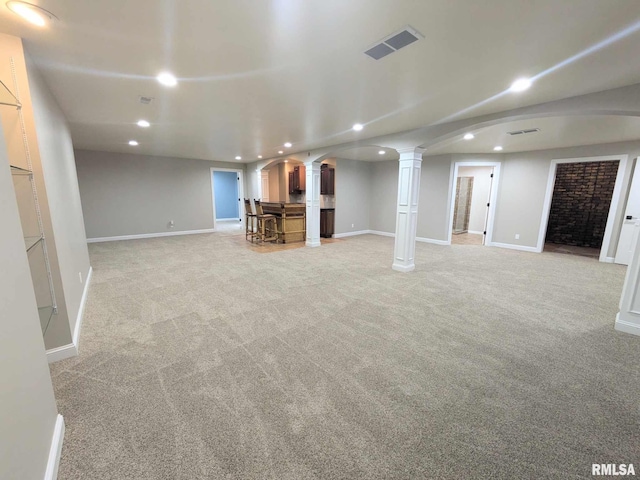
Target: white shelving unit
x=31 y=220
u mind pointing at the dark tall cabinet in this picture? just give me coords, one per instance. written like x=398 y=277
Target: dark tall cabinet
x=297 y=179
x=327 y=179
x=327 y=221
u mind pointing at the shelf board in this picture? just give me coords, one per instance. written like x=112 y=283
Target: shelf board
x=20 y=171
x=30 y=242
x=8 y=98
x=46 y=313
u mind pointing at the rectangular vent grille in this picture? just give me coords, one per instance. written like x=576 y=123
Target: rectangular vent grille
x=145 y=100
x=522 y=132
x=394 y=42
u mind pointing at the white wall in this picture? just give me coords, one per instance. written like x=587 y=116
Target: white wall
x=126 y=194
x=435 y=197
x=61 y=180
x=479 y=196
x=27 y=407
x=353 y=193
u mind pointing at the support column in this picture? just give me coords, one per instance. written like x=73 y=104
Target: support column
x=313 y=203
x=407 y=209
x=628 y=319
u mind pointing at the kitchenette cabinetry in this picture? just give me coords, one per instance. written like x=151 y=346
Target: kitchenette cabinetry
x=327 y=222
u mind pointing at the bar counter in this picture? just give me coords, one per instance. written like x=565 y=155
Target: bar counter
x=290 y=218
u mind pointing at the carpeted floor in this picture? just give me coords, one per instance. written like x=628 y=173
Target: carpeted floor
x=203 y=360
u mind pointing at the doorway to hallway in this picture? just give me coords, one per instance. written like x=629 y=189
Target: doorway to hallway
x=227 y=193
x=473 y=202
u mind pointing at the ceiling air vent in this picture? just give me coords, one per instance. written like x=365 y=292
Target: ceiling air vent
x=394 y=42
x=522 y=132
x=145 y=100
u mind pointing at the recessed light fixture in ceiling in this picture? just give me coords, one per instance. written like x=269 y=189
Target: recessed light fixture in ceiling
x=286 y=161
x=381 y=152
x=358 y=127
x=497 y=148
x=469 y=136
x=238 y=157
x=287 y=145
x=520 y=85
x=280 y=152
x=259 y=156
x=133 y=143
x=167 y=79
x=31 y=13
x=143 y=123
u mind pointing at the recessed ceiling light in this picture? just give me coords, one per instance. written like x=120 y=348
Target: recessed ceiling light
x=259 y=156
x=143 y=123
x=286 y=161
x=133 y=143
x=520 y=85
x=497 y=148
x=357 y=127
x=167 y=79
x=287 y=145
x=238 y=157
x=280 y=152
x=469 y=136
x=381 y=152
x=31 y=13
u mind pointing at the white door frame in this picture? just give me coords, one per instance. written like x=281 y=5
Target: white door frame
x=240 y=191
x=493 y=198
x=613 y=208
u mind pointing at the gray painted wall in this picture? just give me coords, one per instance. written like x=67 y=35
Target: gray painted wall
x=384 y=196
x=353 y=191
x=435 y=197
x=523 y=185
x=127 y=194
x=27 y=406
x=63 y=195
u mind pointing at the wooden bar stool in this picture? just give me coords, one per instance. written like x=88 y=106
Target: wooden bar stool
x=267 y=225
x=251 y=226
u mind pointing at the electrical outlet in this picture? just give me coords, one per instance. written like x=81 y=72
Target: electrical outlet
x=171 y=224
x=517 y=236
x=80 y=276
x=352 y=225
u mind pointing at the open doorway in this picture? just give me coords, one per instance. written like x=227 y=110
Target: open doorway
x=227 y=196
x=473 y=202
x=582 y=198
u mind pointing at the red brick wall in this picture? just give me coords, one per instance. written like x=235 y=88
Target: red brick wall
x=580 y=203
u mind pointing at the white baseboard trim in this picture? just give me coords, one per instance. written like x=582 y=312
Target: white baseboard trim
x=148 y=235
x=432 y=240
x=51 y=473
x=73 y=348
x=383 y=234
x=608 y=260
x=83 y=302
x=351 y=234
x=626 y=327
x=511 y=246
x=62 y=353
x=312 y=244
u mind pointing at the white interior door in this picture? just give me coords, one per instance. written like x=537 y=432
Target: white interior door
x=631 y=223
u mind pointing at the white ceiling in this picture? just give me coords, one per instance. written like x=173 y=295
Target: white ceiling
x=257 y=73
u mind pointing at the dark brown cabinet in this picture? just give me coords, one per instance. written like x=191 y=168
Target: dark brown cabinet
x=327 y=221
x=327 y=180
x=297 y=179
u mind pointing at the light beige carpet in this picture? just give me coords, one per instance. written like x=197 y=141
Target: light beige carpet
x=202 y=360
